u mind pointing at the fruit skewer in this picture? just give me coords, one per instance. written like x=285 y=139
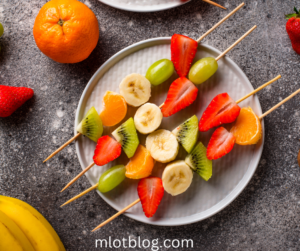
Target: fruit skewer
x=198 y=40
x=215 y=4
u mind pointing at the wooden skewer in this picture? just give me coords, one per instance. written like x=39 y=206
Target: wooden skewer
x=78 y=176
x=81 y=194
x=117 y=214
x=215 y=4
x=279 y=104
x=62 y=147
x=220 y=22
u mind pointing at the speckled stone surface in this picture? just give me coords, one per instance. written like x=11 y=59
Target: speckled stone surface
x=266 y=216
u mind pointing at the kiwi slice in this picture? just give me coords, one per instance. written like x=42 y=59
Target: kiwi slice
x=198 y=161
x=91 y=125
x=187 y=133
x=127 y=136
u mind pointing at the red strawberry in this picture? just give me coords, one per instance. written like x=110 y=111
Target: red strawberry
x=183 y=51
x=293 y=29
x=150 y=191
x=221 y=110
x=11 y=98
x=220 y=143
x=181 y=94
x=107 y=149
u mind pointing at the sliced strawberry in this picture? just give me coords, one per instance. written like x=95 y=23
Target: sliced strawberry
x=181 y=94
x=150 y=191
x=107 y=149
x=220 y=143
x=183 y=51
x=221 y=110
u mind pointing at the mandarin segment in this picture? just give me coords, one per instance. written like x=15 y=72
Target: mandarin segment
x=114 y=109
x=140 y=165
x=247 y=128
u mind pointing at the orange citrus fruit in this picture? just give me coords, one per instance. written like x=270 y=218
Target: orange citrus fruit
x=114 y=109
x=66 y=31
x=140 y=165
x=247 y=128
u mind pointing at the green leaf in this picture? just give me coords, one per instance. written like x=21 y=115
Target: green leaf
x=288 y=16
x=295 y=9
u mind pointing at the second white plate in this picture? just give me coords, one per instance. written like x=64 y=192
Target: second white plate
x=231 y=173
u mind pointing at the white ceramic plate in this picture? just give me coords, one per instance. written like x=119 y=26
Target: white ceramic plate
x=231 y=173
x=144 y=5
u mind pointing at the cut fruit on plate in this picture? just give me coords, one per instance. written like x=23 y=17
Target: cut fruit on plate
x=198 y=161
x=140 y=165
x=221 y=110
x=136 y=89
x=107 y=149
x=181 y=94
x=126 y=135
x=151 y=192
x=247 y=128
x=114 y=109
x=220 y=143
x=187 y=133
x=183 y=51
x=162 y=145
x=177 y=177
x=91 y=125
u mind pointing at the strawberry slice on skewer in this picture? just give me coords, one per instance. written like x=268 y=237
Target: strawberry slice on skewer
x=221 y=110
x=183 y=51
x=150 y=191
x=220 y=143
x=107 y=149
x=181 y=94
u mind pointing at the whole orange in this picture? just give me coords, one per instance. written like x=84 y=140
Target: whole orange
x=66 y=30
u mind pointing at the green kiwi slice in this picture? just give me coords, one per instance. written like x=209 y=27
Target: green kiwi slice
x=187 y=133
x=91 y=125
x=198 y=161
x=127 y=136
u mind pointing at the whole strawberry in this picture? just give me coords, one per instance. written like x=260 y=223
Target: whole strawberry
x=293 y=29
x=11 y=98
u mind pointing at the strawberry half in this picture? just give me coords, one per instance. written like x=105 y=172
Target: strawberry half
x=107 y=149
x=150 y=191
x=220 y=143
x=181 y=94
x=183 y=51
x=221 y=110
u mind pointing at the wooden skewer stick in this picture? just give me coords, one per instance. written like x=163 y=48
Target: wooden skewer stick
x=78 y=176
x=215 y=4
x=236 y=42
x=279 y=104
x=81 y=194
x=117 y=214
x=62 y=147
x=220 y=22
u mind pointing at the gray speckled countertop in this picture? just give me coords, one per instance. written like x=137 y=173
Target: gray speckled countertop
x=266 y=216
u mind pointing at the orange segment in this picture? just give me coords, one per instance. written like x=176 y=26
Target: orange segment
x=247 y=128
x=114 y=109
x=140 y=165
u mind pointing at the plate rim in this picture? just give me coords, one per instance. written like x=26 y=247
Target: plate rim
x=192 y=218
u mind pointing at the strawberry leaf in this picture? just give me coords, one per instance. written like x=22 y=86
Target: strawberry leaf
x=288 y=16
x=295 y=9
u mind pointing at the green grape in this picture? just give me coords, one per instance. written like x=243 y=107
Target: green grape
x=111 y=178
x=160 y=71
x=1 y=29
x=202 y=70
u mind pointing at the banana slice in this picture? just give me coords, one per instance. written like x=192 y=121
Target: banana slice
x=147 y=118
x=163 y=145
x=177 y=177
x=136 y=89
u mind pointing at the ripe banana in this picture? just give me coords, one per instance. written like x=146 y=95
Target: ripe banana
x=36 y=232
x=12 y=237
x=147 y=118
x=177 y=177
x=39 y=216
x=163 y=145
x=136 y=89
